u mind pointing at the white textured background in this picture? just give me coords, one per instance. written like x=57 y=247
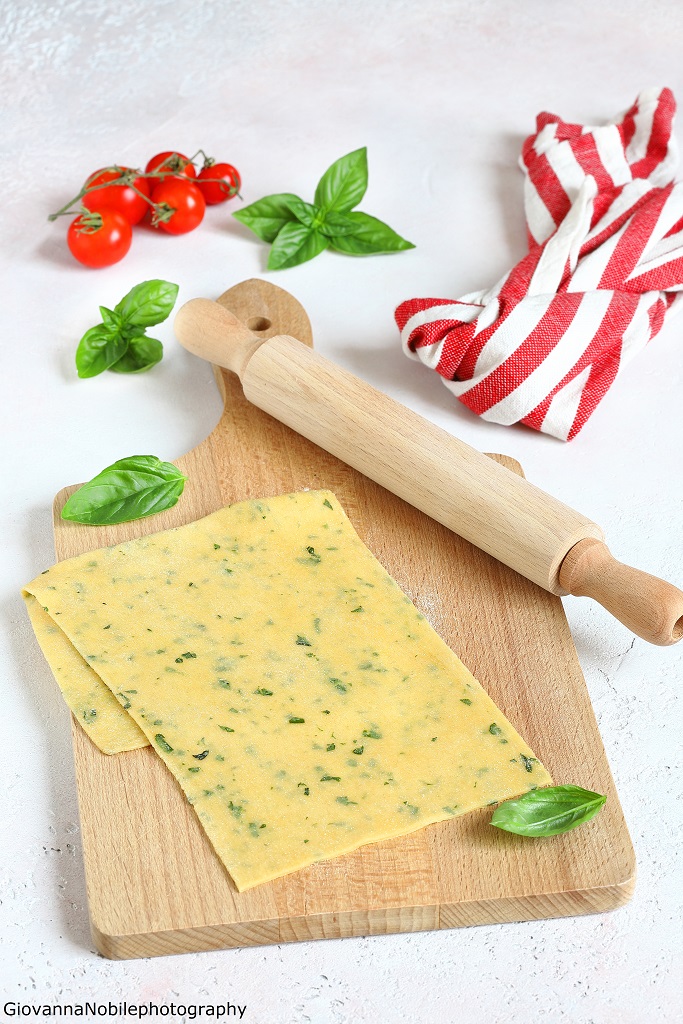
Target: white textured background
x=442 y=93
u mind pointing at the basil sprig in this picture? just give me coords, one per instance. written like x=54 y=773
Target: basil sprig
x=548 y=812
x=298 y=231
x=131 y=488
x=120 y=343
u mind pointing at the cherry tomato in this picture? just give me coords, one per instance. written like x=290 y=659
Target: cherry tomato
x=99 y=239
x=171 y=162
x=122 y=198
x=219 y=182
x=179 y=205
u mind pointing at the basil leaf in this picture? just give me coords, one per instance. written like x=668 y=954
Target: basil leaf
x=337 y=224
x=98 y=349
x=148 y=303
x=142 y=354
x=369 y=236
x=129 y=489
x=548 y=812
x=344 y=183
x=110 y=318
x=296 y=244
x=267 y=217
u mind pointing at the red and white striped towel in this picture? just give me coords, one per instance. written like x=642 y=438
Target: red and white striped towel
x=603 y=272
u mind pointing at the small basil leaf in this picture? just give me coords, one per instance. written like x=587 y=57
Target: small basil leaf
x=296 y=244
x=369 y=236
x=305 y=213
x=267 y=217
x=110 y=318
x=130 y=331
x=344 y=183
x=142 y=354
x=334 y=223
x=548 y=812
x=148 y=303
x=98 y=349
x=129 y=489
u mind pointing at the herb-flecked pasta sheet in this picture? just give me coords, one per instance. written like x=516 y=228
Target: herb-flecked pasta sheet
x=302 y=702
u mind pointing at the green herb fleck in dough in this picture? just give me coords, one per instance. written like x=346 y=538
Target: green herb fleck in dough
x=305 y=788
x=358 y=750
x=372 y=734
x=345 y=800
x=434 y=739
x=195 y=768
x=216 y=547
x=235 y=809
x=338 y=685
x=303 y=642
x=224 y=683
x=450 y=810
x=465 y=700
x=326 y=502
x=358 y=609
x=90 y=715
x=295 y=721
x=413 y=810
x=263 y=692
x=312 y=558
x=494 y=729
x=179 y=661
x=200 y=757
x=124 y=701
x=331 y=778
x=162 y=744
x=107 y=627
x=331 y=746
x=189 y=654
x=226 y=728
x=528 y=762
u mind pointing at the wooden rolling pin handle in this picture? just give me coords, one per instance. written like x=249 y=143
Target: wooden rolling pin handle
x=212 y=332
x=649 y=607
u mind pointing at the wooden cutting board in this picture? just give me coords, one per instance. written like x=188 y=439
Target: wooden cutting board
x=155 y=885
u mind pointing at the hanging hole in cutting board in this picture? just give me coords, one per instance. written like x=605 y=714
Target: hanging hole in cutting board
x=258 y=323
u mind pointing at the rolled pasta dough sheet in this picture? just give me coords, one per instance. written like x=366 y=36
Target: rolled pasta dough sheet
x=302 y=702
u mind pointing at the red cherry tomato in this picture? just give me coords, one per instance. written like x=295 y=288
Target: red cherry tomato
x=120 y=197
x=179 y=205
x=218 y=183
x=99 y=239
x=171 y=162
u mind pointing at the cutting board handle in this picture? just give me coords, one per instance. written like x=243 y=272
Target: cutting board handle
x=505 y=515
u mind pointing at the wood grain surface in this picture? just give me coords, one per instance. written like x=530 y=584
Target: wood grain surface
x=155 y=885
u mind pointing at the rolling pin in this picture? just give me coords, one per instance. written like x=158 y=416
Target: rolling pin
x=493 y=508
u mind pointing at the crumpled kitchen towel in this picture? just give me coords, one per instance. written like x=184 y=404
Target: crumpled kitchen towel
x=603 y=272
